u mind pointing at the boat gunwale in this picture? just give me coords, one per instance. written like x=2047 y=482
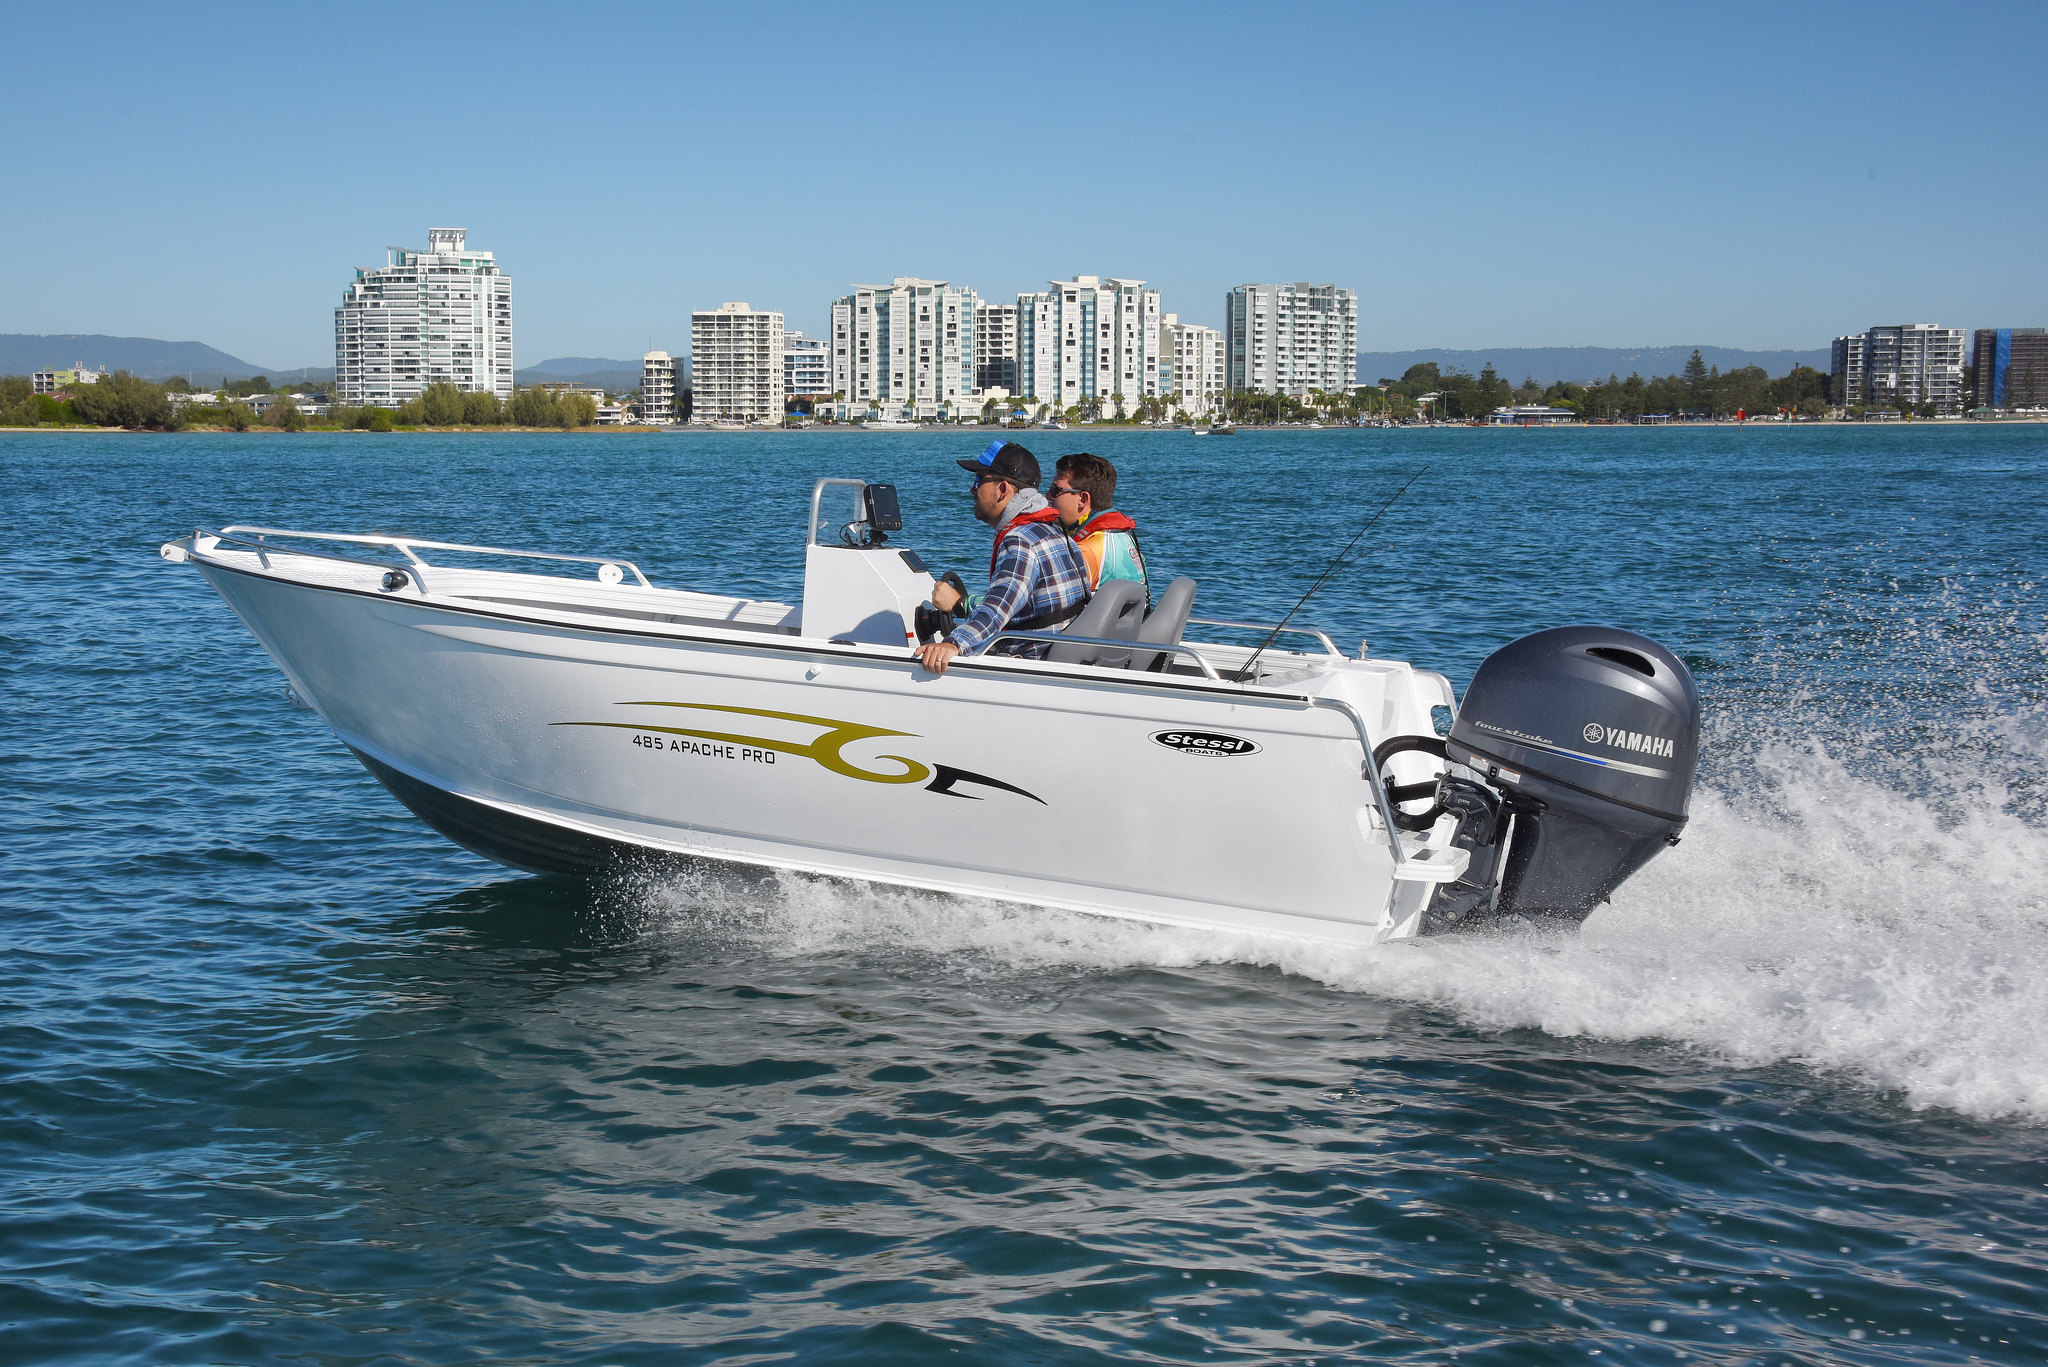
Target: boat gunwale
x=777 y=643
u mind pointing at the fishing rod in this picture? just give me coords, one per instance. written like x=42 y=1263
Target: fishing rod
x=1245 y=673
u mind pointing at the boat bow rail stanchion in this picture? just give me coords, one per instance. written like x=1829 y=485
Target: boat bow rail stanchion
x=611 y=570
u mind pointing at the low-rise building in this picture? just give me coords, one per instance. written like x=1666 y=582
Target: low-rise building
x=50 y=381
x=1531 y=415
x=736 y=363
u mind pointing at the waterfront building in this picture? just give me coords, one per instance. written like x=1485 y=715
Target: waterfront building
x=806 y=367
x=905 y=349
x=51 y=381
x=1088 y=339
x=441 y=316
x=2011 y=366
x=1846 y=381
x=1289 y=339
x=1912 y=363
x=736 y=363
x=1195 y=355
x=658 y=388
x=995 y=348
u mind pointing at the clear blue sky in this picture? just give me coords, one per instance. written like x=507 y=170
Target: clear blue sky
x=1485 y=176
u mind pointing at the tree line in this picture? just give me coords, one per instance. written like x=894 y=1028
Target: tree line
x=122 y=399
x=1701 y=391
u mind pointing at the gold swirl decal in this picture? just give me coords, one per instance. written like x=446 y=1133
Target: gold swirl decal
x=825 y=749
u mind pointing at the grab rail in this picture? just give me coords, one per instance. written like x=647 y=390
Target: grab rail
x=263 y=549
x=1328 y=644
x=1133 y=647
x=1372 y=773
x=405 y=545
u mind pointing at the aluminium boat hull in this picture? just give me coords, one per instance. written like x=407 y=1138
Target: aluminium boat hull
x=596 y=749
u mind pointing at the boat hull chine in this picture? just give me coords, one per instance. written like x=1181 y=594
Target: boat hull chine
x=513 y=839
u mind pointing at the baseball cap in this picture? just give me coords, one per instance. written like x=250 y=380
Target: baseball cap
x=1005 y=460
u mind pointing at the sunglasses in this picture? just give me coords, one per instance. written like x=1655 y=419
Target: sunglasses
x=980 y=480
x=1058 y=489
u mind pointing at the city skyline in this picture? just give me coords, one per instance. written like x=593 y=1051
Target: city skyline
x=1600 y=177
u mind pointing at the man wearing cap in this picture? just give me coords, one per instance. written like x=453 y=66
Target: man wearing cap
x=1035 y=579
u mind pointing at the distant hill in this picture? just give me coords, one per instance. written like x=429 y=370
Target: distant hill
x=24 y=353
x=614 y=376
x=565 y=366
x=611 y=381
x=1581 y=363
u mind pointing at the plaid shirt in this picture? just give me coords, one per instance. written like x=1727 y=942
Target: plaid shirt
x=1037 y=574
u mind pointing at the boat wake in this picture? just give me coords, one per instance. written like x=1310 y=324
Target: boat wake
x=1873 y=918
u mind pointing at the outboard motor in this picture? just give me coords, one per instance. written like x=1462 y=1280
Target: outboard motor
x=1592 y=736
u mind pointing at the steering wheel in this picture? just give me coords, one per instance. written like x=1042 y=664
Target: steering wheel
x=1398 y=793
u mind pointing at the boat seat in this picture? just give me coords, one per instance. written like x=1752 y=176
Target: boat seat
x=1165 y=624
x=1116 y=611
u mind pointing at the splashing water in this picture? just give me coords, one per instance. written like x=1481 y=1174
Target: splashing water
x=1817 y=916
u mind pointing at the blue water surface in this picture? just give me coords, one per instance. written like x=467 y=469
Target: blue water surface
x=285 y=1077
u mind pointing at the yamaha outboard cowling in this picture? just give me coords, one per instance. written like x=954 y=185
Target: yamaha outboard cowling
x=1592 y=736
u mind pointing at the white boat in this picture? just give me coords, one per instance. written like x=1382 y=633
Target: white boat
x=562 y=714
x=891 y=425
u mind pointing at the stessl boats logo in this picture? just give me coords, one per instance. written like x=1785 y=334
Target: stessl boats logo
x=824 y=749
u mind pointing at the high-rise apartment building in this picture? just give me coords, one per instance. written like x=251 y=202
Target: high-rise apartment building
x=2011 y=366
x=736 y=363
x=1289 y=339
x=806 y=367
x=1845 y=370
x=995 y=348
x=1089 y=338
x=905 y=349
x=1195 y=354
x=441 y=316
x=1913 y=363
x=658 y=388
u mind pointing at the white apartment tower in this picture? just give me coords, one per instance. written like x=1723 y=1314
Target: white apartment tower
x=1089 y=338
x=1289 y=339
x=1195 y=354
x=441 y=316
x=1915 y=363
x=736 y=363
x=905 y=349
x=658 y=388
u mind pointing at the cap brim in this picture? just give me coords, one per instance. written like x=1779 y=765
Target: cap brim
x=972 y=467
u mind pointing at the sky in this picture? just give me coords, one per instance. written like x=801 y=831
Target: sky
x=1743 y=175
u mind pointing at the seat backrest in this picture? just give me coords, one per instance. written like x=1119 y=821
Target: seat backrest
x=1165 y=624
x=1116 y=611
